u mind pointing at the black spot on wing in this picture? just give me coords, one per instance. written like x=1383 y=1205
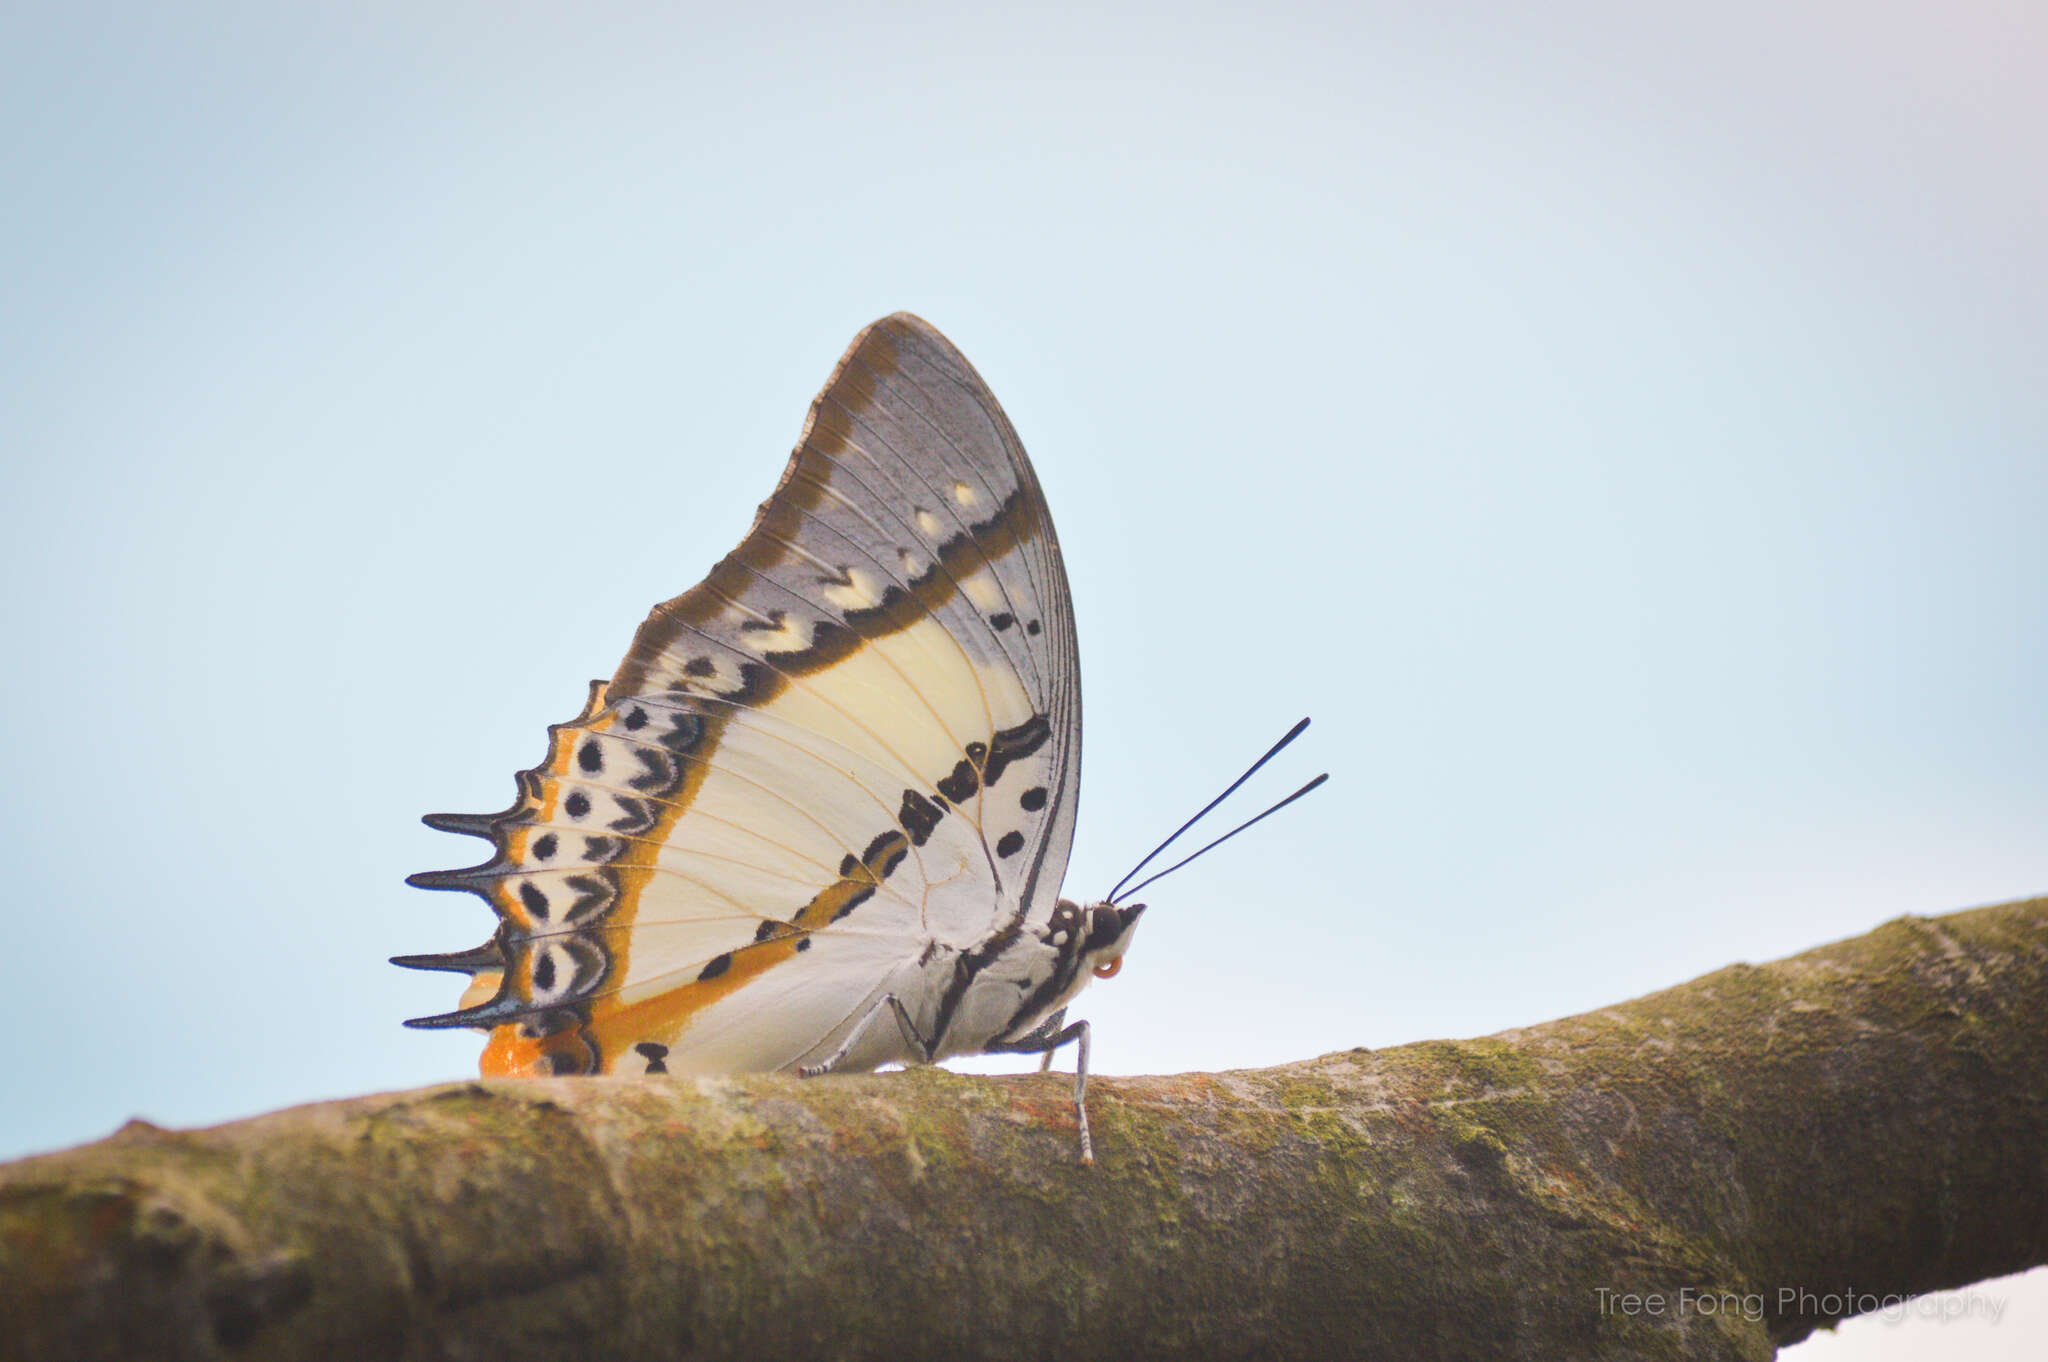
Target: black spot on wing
x=717 y=967
x=683 y=733
x=855 y=900
x=1014 y=744
x=656 y=1056
x=961 y=784
x=918 y=817
x=1011 y=844
x=1033 y=799
x=659 y=772
x=595 y=895
x=634 y=816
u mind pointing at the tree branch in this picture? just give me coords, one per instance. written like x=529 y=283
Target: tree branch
x=1868 y=1116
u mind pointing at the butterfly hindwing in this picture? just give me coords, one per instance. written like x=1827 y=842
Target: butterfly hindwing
x=855 y=742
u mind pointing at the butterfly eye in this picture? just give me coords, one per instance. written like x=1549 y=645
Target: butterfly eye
x=1108 y=969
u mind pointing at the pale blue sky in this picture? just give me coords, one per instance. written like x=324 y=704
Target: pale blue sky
x=1621 y=427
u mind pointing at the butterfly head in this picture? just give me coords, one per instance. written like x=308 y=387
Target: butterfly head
x=1106 y=935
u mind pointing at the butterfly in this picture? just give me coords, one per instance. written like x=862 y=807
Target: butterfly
x=818 y=818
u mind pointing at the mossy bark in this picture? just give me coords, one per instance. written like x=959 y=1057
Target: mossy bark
x=1870 y=1116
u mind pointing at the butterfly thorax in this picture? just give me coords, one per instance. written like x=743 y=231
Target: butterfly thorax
x=1038 y=974
x=967 y=1001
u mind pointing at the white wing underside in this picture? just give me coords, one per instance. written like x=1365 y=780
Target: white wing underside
x=849 y=753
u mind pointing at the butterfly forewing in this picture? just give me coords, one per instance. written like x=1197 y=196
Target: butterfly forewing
x=857 y=738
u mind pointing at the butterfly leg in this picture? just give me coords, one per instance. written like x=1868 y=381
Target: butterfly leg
x=1044 y=1041
x=860 y=1028
x=1047 y=1027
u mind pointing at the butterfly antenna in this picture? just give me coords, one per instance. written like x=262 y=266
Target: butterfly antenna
x=1271 y=752
x=1232 y=833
